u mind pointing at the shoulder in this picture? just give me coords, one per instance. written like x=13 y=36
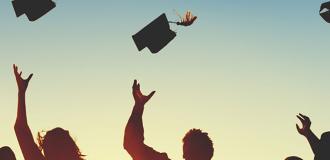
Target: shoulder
x=155 y=155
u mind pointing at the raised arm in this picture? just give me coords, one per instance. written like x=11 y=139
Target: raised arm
x=134 y=132
x=23 y=133
x=307 y=132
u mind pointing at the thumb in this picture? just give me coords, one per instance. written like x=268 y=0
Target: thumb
x=29 y=78
x=151 y=94
x=298 y=129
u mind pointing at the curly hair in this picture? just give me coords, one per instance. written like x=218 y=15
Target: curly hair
x=7 y=153
x=293 y=158
x=59 y=142
x=197 y=145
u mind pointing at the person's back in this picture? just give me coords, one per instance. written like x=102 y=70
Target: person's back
x=323 y=152
x=6 y=153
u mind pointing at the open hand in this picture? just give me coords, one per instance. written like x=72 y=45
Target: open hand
x=188 y=19
x=22 y=84
x=139 y=98
x=306 y=124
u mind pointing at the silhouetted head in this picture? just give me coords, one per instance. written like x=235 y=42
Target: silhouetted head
x=197 y=145
x=6 y=153
x=293 y=158
x=323 y=152
x=57 y=144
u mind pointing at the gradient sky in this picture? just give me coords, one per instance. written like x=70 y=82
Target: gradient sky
x=241 y=72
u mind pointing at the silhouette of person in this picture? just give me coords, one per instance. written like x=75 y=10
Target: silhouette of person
x=320 y=147
x=57 y=144
x=196 y=144
x=293 y=158
x=6 y=153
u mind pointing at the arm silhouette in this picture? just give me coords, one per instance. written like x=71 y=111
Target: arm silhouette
x=23 y=133
x=134 y=132
x=313 y=140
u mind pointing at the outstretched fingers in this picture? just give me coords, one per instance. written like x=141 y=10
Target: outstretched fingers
x=302 y=120
x=134 y=84
x=21 y=82
x=139 y=97
x=15 y=70
x=305 y=117
x=18 y=75
x=136 y=88
x=306 y=123
x=298 y=128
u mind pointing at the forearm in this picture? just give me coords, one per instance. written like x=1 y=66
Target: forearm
x=137 y=113
x=21 y=119
x=313 y=140
x=25 y=140
x=134 y=132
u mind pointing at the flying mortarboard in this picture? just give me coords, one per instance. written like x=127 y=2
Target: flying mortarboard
x=325 y=11
x=156 y=35
x=34 y=9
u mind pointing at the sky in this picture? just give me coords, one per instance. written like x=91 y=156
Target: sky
x=241 y=73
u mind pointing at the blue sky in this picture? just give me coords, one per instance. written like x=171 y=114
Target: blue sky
x=241 y=73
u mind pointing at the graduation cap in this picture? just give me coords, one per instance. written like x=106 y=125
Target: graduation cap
x=325 y=11
x=155 y=36
x=34 y=9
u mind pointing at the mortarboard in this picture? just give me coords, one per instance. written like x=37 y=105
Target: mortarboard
x=325 y=14
x=34 y=9
x=156 y=35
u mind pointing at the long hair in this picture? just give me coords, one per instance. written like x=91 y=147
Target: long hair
x=58 y=143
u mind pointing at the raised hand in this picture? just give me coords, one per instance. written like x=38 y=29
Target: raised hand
x=22 y=84
x=188 y=19
x=139 y=98
x=306 y=124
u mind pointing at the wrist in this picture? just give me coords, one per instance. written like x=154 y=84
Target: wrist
x=308 y=133
x=139 y=104
x=138 y=108
x=21 y=93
